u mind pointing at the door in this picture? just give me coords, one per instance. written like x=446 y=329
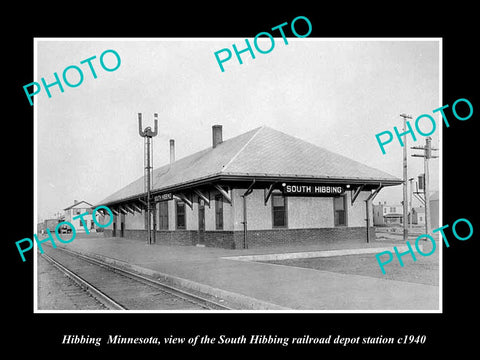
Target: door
x=201 y=224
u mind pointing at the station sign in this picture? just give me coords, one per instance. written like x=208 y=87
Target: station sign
x=163 y=197
x=319 y=190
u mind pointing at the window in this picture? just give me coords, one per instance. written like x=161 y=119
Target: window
x=219 y=212
x=163 y=215
x=384 y=210
x=392 y=209
x=339 y=215
x=180 y=207
x=279 y=210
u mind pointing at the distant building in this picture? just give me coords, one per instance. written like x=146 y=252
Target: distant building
x=79 y=207
x=387 y=214
x=434 y=210
x=49 y=224
x=418 y=215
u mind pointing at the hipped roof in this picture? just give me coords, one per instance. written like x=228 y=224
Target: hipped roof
x=262 y=152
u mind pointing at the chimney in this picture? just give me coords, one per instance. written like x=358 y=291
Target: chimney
x=75 y=202
x=216 y=135
x=172 y=151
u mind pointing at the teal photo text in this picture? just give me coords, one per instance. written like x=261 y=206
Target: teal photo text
x=425 y=124
x=386 y=257
x=225 y=54
x=29 y=243
x=73 y=75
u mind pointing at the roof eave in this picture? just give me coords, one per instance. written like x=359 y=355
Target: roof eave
x=307 y=178
x=259 y=177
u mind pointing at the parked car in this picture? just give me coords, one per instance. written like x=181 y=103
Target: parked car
x=64 y=229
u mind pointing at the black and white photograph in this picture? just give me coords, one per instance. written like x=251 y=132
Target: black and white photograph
x=279 y=186
x=256 y=188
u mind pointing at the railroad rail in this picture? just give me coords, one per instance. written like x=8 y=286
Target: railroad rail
x=92 y=290
x=121 y=289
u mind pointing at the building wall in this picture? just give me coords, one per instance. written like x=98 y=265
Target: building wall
x=378 y=215
x=261 y=238
x=103 y=220
x=133 y=222
x=210 y=215
x=303 y=212
x=259 y=216
x=309 y=219
x=228 y=213
x=255 y=238
x=191 y=216
x=434 y=213
x=418 y=217
x=77 y=223
x=163 y=237
x=357 y=213
x=310 y=212
x=79 y=208
x=393 y=209
x=421 y=219
x=50 y=224
x=172 y=225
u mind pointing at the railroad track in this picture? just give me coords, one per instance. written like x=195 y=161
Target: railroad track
x=121 y=289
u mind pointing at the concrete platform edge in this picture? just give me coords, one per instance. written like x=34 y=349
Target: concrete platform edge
x=315 y=254
x=247 y=302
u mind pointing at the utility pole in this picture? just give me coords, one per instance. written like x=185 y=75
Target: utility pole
x=427 y=155
x=410 y=204
x=405 y=178
x=147 y=134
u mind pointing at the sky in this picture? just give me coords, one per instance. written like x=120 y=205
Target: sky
x=335 y=93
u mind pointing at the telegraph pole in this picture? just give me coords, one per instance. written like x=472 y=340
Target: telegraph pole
x=410 y=205
x=427 y=155
x=405 y=178
x=148 y=134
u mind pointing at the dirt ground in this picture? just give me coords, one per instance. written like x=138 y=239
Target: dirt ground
x=425 y=270
x=58 y=292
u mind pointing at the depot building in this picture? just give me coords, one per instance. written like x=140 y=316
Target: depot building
x=260 y=188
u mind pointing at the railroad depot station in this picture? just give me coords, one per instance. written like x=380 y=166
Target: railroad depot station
x=260 y=188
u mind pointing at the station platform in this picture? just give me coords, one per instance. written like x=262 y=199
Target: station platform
x=262 y=286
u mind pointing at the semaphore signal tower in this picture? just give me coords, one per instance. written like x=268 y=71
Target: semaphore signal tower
x=148 y=134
